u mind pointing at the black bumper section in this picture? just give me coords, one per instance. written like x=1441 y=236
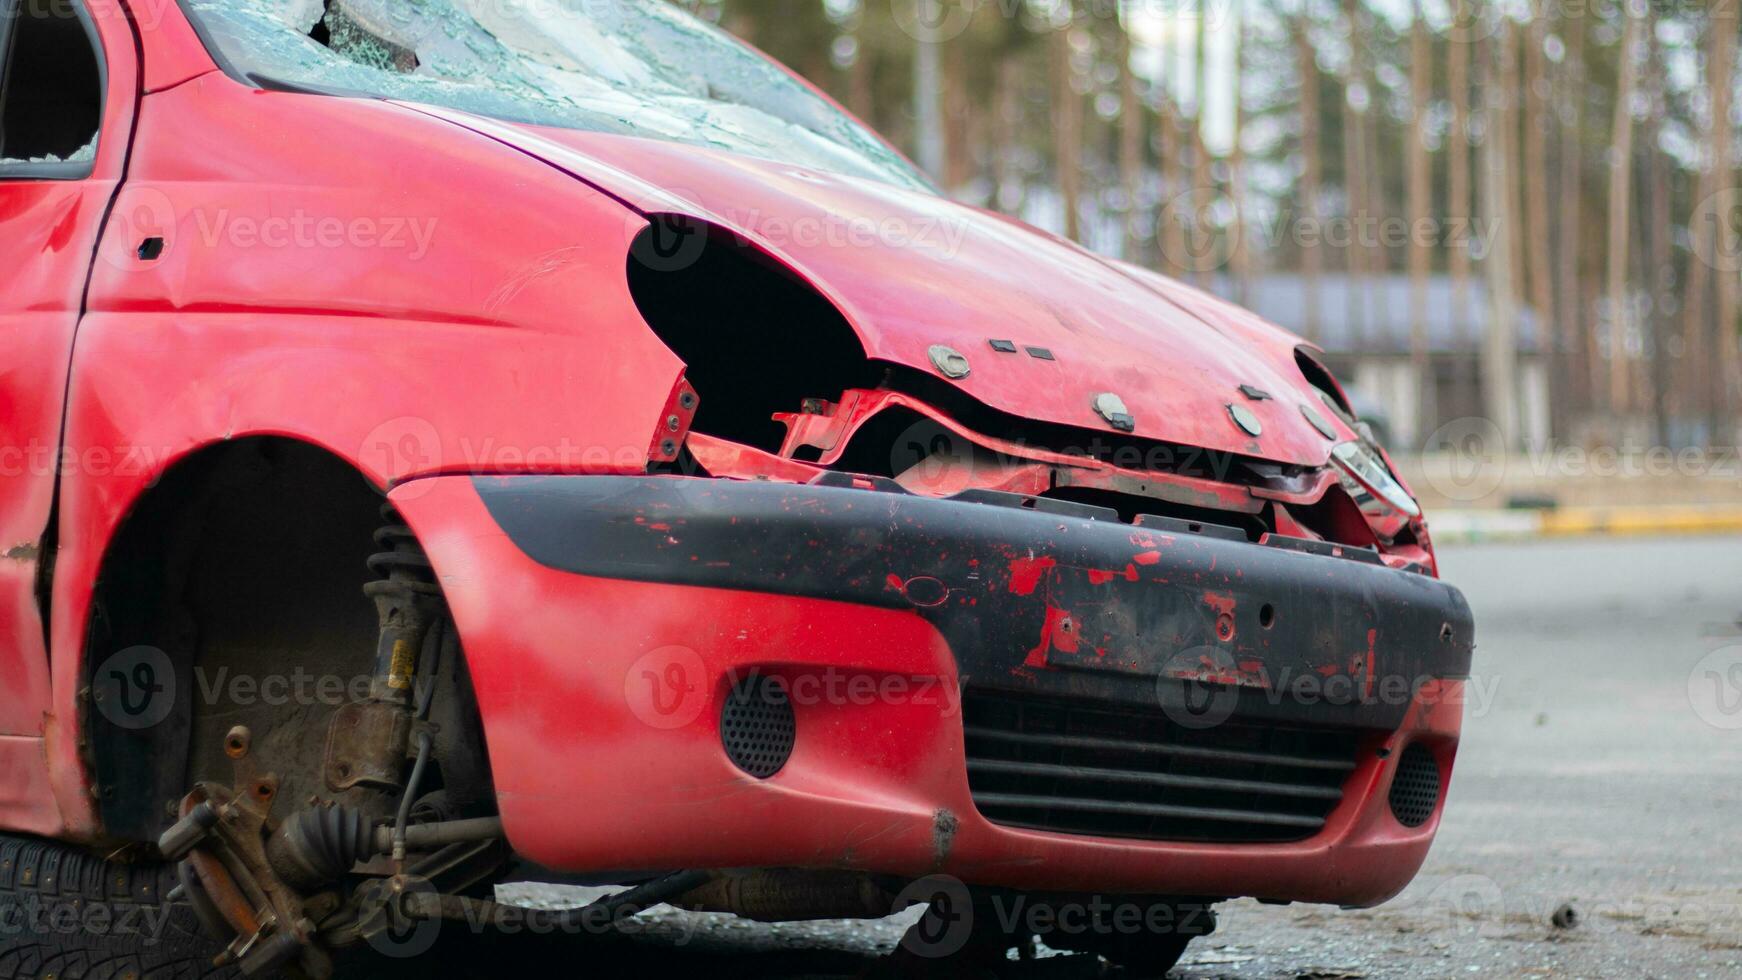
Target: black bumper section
x=1032 y=596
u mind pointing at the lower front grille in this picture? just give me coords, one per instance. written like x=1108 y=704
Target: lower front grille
x=1085 y=768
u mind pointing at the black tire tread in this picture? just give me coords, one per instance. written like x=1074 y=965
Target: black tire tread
x=41 y=878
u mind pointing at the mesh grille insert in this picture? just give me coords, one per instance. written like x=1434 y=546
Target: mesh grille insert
x=1086 y=767
x=1415 y=790
x=757 y=726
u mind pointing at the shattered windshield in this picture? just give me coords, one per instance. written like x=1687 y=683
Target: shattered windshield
x=634 y=67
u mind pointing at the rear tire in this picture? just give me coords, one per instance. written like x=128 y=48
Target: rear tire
x=67 y=914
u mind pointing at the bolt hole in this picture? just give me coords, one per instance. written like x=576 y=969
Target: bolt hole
x=1225 y=627
x=1267 y=615
x=1446 y=633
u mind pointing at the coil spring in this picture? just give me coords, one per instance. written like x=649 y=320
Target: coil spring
x=403 y=567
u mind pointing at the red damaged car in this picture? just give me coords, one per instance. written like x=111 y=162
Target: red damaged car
x=448 y=441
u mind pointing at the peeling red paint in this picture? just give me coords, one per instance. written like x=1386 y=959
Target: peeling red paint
x=1061 y=630
x=1025 y=574
x=1221 y=602
x=1147 y=557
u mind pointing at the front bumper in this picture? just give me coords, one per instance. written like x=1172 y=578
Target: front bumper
x=606 y=619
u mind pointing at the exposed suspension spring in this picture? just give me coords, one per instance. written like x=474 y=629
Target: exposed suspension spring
x=408 y=601
x=368 y=740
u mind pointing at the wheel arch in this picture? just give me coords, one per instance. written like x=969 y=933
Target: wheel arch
x=240 y=573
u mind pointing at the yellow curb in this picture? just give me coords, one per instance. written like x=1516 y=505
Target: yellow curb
x=1573 y=521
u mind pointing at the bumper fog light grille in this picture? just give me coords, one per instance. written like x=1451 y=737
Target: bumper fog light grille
x=1415 y=790
x=757 y=726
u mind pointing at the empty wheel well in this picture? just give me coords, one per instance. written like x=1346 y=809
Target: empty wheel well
x=241 y=574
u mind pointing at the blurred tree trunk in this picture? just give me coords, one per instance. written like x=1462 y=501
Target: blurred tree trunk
x=1203 y=175
x=1574 y=331
x=1420 y=211
x=1723 y=168
x=1170 y=228
x=1620 y=185
x=1659 y=264
x=1536 y=196
x=1240 y=253
x=928 y=90
x=1311 y=181
x=1693 y=385
x=958 y=113
x=1507 y=115
x=1499 y=347
x=1459 y=208
x=1067 y=138
x=1131 y=134
x=860 y=101
x=1007 y=135
x=1355 y=176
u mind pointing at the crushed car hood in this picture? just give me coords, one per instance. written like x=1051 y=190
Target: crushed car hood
x=911 y=272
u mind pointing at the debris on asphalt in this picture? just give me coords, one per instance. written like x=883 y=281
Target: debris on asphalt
x=1565 y=917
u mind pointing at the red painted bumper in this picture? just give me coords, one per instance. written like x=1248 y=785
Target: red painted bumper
x=601 y=695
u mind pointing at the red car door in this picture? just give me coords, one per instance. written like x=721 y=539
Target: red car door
x=68 y=81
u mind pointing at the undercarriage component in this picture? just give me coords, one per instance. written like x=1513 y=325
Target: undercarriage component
x=273 y=890
x=778 y=895
x=319 y=846
x=228 y=877
x=366 y=746
x=407 y=902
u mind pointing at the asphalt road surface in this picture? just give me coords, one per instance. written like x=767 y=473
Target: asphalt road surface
x=1601 y=769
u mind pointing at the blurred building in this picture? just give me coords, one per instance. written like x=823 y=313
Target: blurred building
x=1364 y=326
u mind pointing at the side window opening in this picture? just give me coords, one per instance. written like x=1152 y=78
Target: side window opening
x=51 y=96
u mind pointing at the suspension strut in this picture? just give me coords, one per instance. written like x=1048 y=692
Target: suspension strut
x=268 y=887
x=369 y=740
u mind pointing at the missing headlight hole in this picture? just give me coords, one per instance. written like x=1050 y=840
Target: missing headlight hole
x=755 y=338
